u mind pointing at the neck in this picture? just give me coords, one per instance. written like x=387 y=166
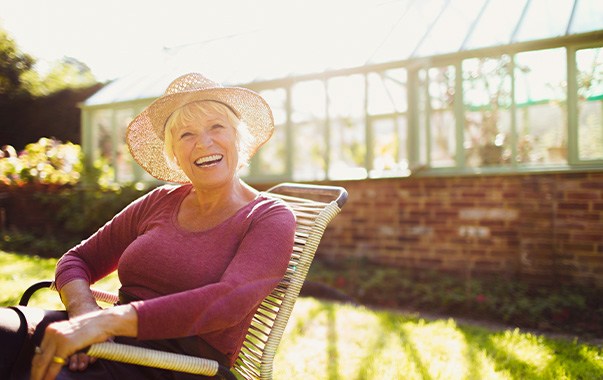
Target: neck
x=221 y=198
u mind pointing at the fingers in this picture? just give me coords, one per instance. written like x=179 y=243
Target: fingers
x=52 y=354
x=41 y=364
x=46 y=363
x=63 y=340
x=80 y=361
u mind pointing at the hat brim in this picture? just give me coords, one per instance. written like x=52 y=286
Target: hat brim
x=145 y=134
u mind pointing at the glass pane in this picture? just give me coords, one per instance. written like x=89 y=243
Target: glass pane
x=389 y=147
x=415 y=19
x=443 y=138
x=124 y=163
x=346 y=96
x=421 y=155
x=539 y=129
x=385 y=145
x=276 y=99
x=496 y=24
x=589 y=64
x=587 y=16
x=347 y=148
x=442 y=126
x=545 y=19
x=102 y=135
x=347 y=133
x=309 y=155
x=487 y=101
x=271 y=158
x=308 y=100
x=450 y=31
x=387 y=92
x=540 y=95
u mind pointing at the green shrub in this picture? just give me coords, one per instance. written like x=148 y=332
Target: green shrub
x=53 y=202
x=568 y=309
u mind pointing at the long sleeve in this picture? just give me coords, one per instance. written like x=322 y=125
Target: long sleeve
x=97 y=256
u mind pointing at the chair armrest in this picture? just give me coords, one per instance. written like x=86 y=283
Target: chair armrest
x=320 y=193
x=32 y=289
x=103 y=296
x=99 y=295
x=159 y=359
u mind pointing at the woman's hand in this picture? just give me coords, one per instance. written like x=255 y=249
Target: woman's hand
x=78 y=300
x=80 y=361
x=65 y=338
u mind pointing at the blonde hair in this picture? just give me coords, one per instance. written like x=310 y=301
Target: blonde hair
x=190 y=111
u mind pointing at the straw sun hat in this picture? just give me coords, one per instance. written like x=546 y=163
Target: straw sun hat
x=145 y=135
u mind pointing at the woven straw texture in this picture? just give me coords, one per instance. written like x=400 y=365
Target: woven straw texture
x=153 y=358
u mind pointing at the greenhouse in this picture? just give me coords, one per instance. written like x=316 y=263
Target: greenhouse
x=398 y=88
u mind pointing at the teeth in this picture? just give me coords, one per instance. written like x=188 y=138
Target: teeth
x=208 y=159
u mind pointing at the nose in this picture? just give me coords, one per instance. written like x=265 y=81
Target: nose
x=204 y=139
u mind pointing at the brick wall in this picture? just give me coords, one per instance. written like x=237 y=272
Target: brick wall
x=544 y=228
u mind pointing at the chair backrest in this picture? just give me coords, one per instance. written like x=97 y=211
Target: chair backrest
x=314 y=207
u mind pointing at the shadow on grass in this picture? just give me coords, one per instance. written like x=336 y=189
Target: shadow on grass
x=563 y=360
x=395 y=324
x=560 y=359
x=502 y=359
x=332 y=338
x=372 y=351
x=576 y=360
x=369 y=366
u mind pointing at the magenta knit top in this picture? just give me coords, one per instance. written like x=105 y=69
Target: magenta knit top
x=205 y=283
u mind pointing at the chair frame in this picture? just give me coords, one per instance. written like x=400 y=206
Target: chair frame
x=314 y=207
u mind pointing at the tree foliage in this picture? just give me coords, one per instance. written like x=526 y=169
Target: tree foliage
x=67 y=73
x=13 y=65
x=35 y=104
x=19 y=74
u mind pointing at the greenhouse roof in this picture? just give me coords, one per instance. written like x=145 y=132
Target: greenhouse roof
x=348 y=34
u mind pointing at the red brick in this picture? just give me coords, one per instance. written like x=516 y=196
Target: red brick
x=583 y=195
x=595 y=184
x=573 y=206
x=588 y=238
x=579 y=247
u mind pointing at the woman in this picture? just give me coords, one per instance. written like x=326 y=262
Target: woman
x=194 y=260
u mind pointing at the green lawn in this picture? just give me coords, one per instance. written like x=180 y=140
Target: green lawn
x=331 y=341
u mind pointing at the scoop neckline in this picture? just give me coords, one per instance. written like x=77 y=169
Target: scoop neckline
x=179 y=228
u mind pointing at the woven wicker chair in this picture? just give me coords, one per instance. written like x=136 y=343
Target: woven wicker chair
x=314 y=206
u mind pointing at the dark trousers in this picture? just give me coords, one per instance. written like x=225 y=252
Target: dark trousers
x=22 y=329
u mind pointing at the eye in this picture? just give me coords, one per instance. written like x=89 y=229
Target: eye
x=217 y=126
x=185 y=134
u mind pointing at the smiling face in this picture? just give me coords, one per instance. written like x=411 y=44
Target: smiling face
x=204 y=144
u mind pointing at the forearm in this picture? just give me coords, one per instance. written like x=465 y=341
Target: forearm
x=77 y=298
x=120 y=321
x=79 y=301
x=98 y=326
